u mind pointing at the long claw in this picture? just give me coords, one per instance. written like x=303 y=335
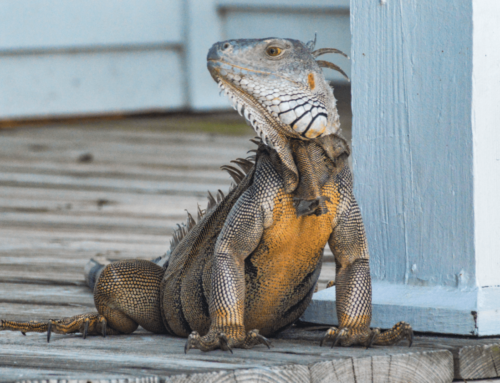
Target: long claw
x=339 y=336
x=335 y=341
x=264 y=340
x=49 y=330
x=328 y=336
x=22 y=332
x=85 y=329
x=104 y=326
x=323 y=340
x=411 y=339
x=372 y=339
x=224 y=342
x=190 y=341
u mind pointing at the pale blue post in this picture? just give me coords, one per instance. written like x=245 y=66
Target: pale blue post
x=426 y=135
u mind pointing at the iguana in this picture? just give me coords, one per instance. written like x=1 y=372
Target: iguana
x=248 y=268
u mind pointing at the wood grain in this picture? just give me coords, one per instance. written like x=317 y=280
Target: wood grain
x=51 y=223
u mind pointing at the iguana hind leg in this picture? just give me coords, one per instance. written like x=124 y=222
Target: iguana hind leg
x=126 y=295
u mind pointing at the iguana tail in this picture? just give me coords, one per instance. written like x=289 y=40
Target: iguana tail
x=93 y=270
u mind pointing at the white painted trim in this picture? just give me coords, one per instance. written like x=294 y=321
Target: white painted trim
x=82 y=83
x=486 y=137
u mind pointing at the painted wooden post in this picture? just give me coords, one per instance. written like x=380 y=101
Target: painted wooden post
x=426 y=134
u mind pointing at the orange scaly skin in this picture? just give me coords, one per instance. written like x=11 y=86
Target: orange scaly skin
x=289 y=250
x=249 y=266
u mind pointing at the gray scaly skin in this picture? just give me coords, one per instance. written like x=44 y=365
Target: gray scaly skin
x=248 y=268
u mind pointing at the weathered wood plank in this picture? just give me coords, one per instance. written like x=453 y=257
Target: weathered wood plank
x=112 y=379
x=141 y=131
x=473 y=358
x=478 y=361
x=292 y=374
x=119 y=170
x=137 y=174
x=162 y=356
x=429 y=366
x=166 y=150
x=46 y=295
x=44 y=246
x=95 y=219
x=32 y=311
x=99 y=183
x=38 y=238
x=58 y=270
x=170 y=206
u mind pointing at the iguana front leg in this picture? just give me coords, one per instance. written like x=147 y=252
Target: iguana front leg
x=353 y=286
x=238 y=239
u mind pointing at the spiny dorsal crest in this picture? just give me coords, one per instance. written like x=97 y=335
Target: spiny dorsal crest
x=246 y=165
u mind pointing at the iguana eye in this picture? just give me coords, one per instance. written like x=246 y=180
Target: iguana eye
x=273 y=51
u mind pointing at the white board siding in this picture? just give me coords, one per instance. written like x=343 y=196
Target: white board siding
x=90 y=83
x=64 y=58
x=57 y=24
x=209 y=21
x=330 y=24
x=96 y=32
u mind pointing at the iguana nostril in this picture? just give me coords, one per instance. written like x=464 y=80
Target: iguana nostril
x=225 y=46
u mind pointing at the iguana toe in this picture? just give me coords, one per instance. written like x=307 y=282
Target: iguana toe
x=253 y=338
x=331 y=334
x=347 y=336
x=398 y=332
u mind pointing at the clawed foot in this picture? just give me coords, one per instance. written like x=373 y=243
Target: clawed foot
x=367 y=337
x=349 y=336
x=215 y=340
x=206 y=343
x=86 y=324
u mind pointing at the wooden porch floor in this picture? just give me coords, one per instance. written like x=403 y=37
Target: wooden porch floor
x=117 y=189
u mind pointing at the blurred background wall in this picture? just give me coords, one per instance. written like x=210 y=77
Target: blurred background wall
x=61 y=58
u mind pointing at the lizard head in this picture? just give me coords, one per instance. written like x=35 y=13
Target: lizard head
x=278 y=86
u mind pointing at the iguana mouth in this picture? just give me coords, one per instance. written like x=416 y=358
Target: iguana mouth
x=257 y=115
x=251 y=70
x=271 y=103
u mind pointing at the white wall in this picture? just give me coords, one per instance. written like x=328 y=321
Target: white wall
x=60 y=57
